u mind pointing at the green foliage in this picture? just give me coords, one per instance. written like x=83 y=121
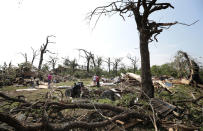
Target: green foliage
x=165 y=69
x=45 y=68
x=201 y=73
x=125 y=100
x=81 y=74
x=7 y=74
x=98 y=71
x=105 y=101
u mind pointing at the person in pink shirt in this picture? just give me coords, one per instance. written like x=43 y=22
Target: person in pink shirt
x=49 y=79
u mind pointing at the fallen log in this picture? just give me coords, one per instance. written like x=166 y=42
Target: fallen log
x=134 y=76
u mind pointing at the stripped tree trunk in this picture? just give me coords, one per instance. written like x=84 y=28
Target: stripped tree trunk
x=146 y=80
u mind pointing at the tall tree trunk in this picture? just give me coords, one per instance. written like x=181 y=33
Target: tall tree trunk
x=116 y=68
x=40 y=61
x=88 y=65
x=147 y=87
x=134 y=68
x=109 y=66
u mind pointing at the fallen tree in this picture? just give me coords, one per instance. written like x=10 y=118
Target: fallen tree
x=188 y=68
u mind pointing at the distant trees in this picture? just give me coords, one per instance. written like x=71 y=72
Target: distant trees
x=109 y=62
x=134 y=61
x=53 y=61
x=88 y=56
x=116 y=64
x=165 y=69
x=71 y=64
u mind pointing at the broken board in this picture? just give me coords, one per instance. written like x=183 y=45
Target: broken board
x=162 y=108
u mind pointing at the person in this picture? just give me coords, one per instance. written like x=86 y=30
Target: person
x=49 y=80
x=97 y=81
x=94 y=80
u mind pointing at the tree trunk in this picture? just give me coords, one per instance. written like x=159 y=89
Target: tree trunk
x=41 y=60
x=147 y=87
x=88 y=65
x=109 y=66
x=134 y=68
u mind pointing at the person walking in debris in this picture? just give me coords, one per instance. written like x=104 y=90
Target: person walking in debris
x=49 y=80
x=97 y=81
x=94 y=80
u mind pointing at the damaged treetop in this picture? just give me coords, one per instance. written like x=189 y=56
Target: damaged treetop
x=148 y=29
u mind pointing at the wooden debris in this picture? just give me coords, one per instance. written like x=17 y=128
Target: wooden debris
x=162 y=108
x=163 y=85
x=134 y=76
x=27 y=89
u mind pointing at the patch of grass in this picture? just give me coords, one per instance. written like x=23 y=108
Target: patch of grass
x=71 y=83
x=11 y=88
x=125 y=100
x=106 y=101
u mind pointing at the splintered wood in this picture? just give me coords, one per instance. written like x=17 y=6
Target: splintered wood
x=162 y=108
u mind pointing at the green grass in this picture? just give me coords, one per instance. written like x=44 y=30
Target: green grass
x=70 y=83
x=11 y=88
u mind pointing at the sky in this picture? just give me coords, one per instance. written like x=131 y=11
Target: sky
x=26 y=23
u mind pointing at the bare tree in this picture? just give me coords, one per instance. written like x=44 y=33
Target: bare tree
x=148 y=29
x=43 y=50
x=88 y=56
x=98 y=61
x=134 y=61
x=34 y=55
x=108 y=61
x=25 y=56
x=116 y=63
x=53 y=61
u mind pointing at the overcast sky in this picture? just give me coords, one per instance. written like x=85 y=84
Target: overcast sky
x=26 y=23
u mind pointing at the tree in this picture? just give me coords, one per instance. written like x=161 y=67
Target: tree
x=116 y=64
x=34 y=55
x=98 y=61
x=108 y=61
x=134 y=61
x=187 y=67
x=25 y=56
x=148 y=29
x=72 y=64
x=43 y=50
x=88 y=56
x=53 y=61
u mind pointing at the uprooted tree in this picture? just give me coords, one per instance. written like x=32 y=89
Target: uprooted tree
x=187 y=67
x=148 y=29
